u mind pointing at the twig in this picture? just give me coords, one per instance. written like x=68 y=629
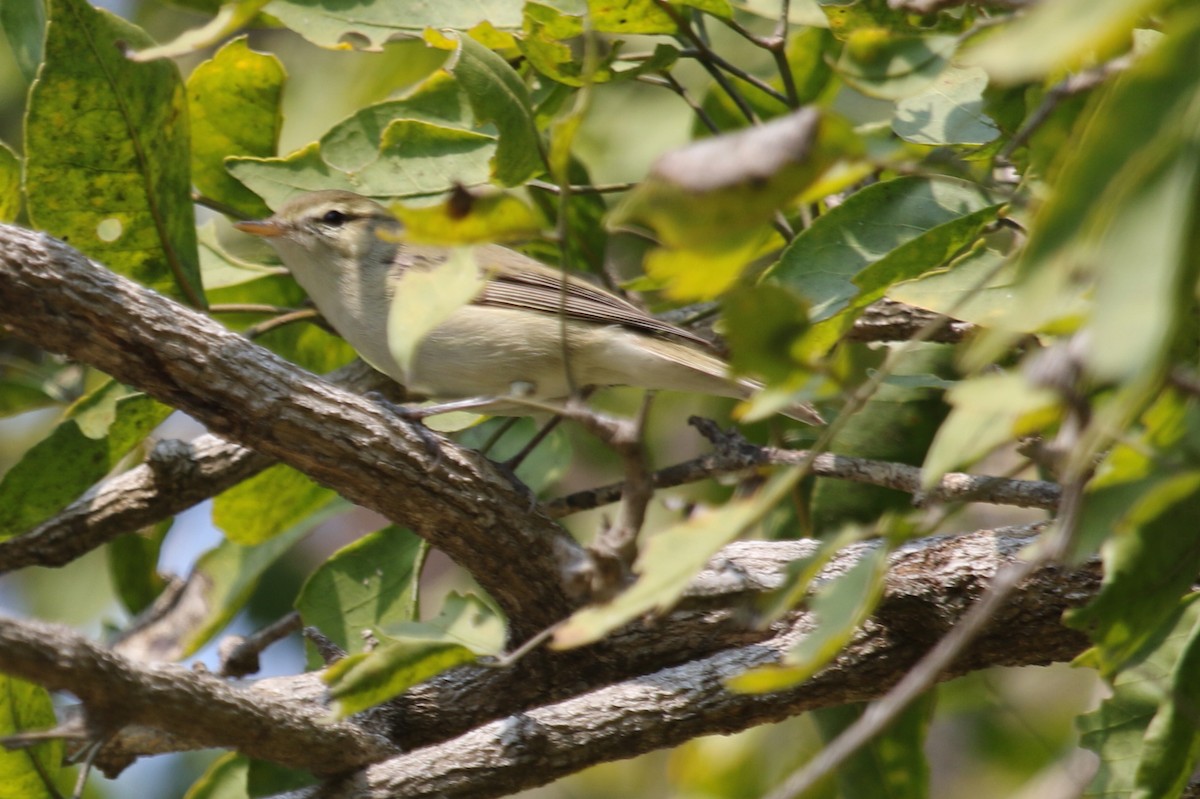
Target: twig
x=711 y=60
x=576 y=188
x=727 y=460
x=116 y=691
x=239 y=654
x=283 y=320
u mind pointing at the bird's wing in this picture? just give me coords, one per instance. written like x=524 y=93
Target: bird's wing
x=516 y=281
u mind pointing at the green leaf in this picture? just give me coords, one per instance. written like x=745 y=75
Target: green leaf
x=367 y=25
x=354 y=142
x=889 y=65
x=668 y=562
x=24 y=25
x=10 y=184
x=233 y=99
x=893 y=764
x=884 y=233
x=133 y=566
x=498 y=95
x=25 y=707
x=365 y=585
x=270 y=502
x=1145 y=733
x=989 y=410
x=277 y=180
x=424 y=298
x=225 y=778
x=222 y=581
x=1137 y=311
x=949 y=111
x=97 y=433
x=228 y=19
x=545 y=43
x=1150 y=560
x=414 y=652
x=1057 y=36
x=106 y=152
x=470 y=218
x=839 y=607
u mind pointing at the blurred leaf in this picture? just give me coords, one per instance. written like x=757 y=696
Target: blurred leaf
x=10 y=184
x=498 y=95
x=267 y=504
x=1100 y=171
x=25 y=707
x=233 y=100
x=1136 y=312
x=469 y=218
x=839 y=606
x=893 y=764
x=20 y=395
x=949 y=111
x=1061 y=35
x=96 y=433
x=860 y=245
x=1145 y=733
x=367 y=584
x=761 y=323
x=104 y=128
x=668 y=562
x=1150 y=560
x=225 y=778
x=24 y=25
x=976 y=287
x=367 y=25
x=133 y=566
x=414 y=652
x=701 y=193
x=229 y=18
x=883 y=63
x=424 y=298
x=989 y=410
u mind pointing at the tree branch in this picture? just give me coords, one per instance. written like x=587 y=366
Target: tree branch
x=52 y=296
x=197 y=706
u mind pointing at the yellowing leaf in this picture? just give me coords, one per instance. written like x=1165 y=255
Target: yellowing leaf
x=424 y=298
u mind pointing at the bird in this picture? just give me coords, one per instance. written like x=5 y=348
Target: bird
x=504 y=346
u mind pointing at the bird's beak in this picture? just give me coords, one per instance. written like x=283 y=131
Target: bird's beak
x=267 y=228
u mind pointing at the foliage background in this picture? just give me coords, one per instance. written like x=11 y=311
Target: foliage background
x=1000 y=733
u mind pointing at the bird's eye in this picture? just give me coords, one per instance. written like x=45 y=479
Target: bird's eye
x=334 y=217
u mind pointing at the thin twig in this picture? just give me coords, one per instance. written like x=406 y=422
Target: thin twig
x=582 y=188
x=218 y=206
x=239 y=654
x=709 y=61
x=725 y=460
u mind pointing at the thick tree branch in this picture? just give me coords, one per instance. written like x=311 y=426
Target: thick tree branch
x=197 y=706
x=930 y=584
x=53 y=296
x=676 y=704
